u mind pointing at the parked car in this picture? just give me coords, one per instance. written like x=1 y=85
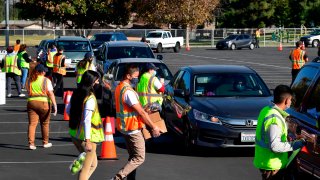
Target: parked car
x=110 y=51
x=236 y=41
x=313 y=39
x=42 y=49
x=304 y=116
x=159 y=40
x=99 y=38
x=75 y=47
x=115 y=74
x=215 y=105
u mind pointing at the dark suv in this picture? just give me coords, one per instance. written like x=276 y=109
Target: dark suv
x=304 y=116
x=99 y=38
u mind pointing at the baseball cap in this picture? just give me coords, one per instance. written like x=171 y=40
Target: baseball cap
x=151 y=66
x=9 y=49
x=88 y=55
x=41 y=68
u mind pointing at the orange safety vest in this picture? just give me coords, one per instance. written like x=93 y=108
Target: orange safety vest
x=16 y=48
x=297 y=58
x=127 y=118
x=38 y=89
x=57 y=60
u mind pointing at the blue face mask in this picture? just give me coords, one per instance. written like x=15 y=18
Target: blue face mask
x=134 y=82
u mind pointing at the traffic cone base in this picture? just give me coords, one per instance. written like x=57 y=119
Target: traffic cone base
x=280 y=47
x=187 y=48
x=66 y=99
x=108 y=148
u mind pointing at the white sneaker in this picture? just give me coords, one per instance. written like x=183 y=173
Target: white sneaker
x=9 y=95
x=32 y=147
x=22 y=95
x=48 y=145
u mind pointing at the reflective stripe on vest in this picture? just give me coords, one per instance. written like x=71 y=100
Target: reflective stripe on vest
x=11 y=64
x=264 y=157
x=49 y=61
x=38 y=89
x=57 y=61
x=146 y=91
x=96 y=131
x=127 y=118
x=23 y=62
x=297 y=58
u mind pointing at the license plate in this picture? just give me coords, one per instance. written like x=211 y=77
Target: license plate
x=248 y=137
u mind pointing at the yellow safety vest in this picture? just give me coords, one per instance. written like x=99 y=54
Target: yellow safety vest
x=96 y=134
x=24 y=63
x=11 y=64
x=49 y=61
x=38 y=89
x=81 y=71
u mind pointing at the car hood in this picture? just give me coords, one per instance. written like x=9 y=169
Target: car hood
x=74 y=55
x=231 y=107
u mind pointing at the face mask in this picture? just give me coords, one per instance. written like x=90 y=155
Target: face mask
x=134 y=82
x=154 y=73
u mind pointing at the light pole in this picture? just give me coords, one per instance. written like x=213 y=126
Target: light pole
x=7 y=23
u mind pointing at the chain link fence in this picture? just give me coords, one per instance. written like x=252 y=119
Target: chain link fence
x=199 y=37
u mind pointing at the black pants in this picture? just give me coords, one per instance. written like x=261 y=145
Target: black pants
x=49 y=73
x=257 y=43
x=58 y=79
x=17 y=81
x=294 y=73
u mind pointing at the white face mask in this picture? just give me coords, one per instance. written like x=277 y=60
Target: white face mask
x=154 y=73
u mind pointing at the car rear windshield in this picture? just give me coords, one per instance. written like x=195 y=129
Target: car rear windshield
x=162 y=72
x=101 y=37
x=76 y=46
x=154 y=35
x=229 y=85
x=129 y=52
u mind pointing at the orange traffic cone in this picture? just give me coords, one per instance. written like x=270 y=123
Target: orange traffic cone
x=108 y=148
x=66 y=99
x=280 y=47
x=187 y=48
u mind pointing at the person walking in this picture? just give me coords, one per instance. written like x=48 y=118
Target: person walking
x=257 y=36
x=39 y=106
x=85 y=125
x=149 y=87
x=298 y=57
x=12 y=69
x=16 y=47
x=59 y=70
x=131 y=118
x=83 y=66
x=272 y=147
x=24 y=60
x=52 y=50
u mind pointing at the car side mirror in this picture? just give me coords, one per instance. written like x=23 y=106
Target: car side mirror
x=179 y=93
x=159 y=56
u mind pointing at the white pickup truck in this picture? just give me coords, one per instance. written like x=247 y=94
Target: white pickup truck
x=160 y=40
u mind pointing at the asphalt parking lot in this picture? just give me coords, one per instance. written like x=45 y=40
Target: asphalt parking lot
x=164 y=159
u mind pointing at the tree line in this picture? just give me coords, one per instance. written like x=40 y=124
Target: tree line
x=83 y=14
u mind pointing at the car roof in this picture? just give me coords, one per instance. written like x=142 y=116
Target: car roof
x=126 y=43
x=203 y=69
x=138 y=60
x=71 y=38
x=109 y=33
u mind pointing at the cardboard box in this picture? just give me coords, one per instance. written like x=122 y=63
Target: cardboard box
x=155 y=118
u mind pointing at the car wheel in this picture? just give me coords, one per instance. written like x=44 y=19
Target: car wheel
x=159 y=48
x=315 y=43
x=187 y=139
x=251 y=46
x=233 y=47
x=177 y=47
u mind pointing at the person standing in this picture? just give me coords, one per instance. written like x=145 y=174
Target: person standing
x=16 y=47
x=83 y=66
x=24 y=60
x=272 y=147
x=85 y=125
x=257 y=35
x=12 y=69
x=298 y=57
x=40 y=101
x=59 y=70
x=149 y=87
x=131 y=118
x=52 y=50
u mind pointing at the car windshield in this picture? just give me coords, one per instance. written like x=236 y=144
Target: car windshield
x=229 y=85
x=101 y=37
x=162 y=72
x=129 y=52
x=69 y=46
x=231 y=37
x=154 y=35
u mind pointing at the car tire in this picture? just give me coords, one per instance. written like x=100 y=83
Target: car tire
x=189 y=147
x=159 y=48
x=315 y=43
x=177 y=47
x=233 y=47
x=251 y=46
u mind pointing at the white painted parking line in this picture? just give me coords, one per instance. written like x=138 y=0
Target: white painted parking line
x=232 y=60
